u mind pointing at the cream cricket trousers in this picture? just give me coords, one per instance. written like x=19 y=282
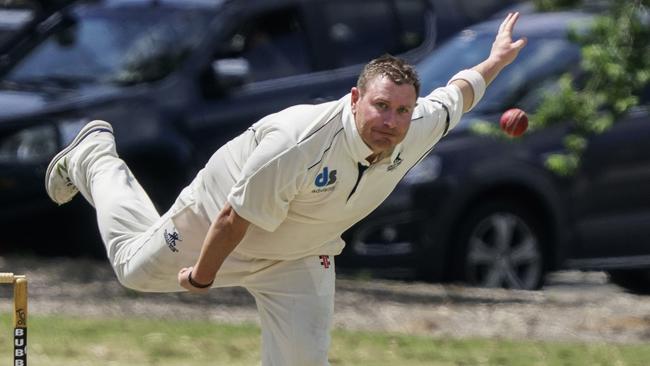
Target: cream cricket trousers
x=295 y=299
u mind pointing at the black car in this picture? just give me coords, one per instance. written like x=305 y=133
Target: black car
x=176 y=79
x=487 y=210
x=12 y=19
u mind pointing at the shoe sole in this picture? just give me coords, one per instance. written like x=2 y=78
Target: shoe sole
x=94 y=126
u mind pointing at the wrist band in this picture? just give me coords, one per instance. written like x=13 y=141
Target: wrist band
x=196 y=284
x=475 y=79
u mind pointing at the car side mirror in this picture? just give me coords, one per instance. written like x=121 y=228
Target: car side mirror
x=229 y=73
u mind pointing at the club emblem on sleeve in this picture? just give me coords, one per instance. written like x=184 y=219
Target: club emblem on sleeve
x=171 y=240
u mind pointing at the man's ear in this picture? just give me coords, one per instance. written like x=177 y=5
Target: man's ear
x=355 y=95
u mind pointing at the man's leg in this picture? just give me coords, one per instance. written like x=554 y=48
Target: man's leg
x=295 y=300
x=140 y=245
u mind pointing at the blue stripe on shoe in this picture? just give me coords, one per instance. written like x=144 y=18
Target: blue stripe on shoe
x=86 y=134
x=75 y=142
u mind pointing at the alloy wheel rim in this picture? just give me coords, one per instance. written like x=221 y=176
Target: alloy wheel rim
x=504 y=252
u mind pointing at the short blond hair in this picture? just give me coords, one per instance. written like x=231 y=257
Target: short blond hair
x=394 y=68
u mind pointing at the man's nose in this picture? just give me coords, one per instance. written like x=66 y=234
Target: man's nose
x=390 y=120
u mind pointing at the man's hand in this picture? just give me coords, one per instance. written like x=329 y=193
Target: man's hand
x=184 y=281
x=504 y=50
x=225 y=232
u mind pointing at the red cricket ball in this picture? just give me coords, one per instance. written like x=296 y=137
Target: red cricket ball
x=514 y=122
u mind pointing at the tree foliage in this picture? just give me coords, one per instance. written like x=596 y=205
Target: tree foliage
x=616 y=66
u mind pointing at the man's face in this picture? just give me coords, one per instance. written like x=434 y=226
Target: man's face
x=382 y=112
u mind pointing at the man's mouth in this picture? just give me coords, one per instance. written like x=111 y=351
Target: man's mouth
x=385 y=133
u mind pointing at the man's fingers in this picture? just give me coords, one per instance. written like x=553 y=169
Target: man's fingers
x=504 y=23
x=511 y=22
x=182 y=273
x=520 y=43
x=508 y=24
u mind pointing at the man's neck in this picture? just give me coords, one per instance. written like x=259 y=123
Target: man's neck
x=372 y=158
x=378 y=156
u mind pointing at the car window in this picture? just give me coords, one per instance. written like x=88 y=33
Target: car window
x=273 y=43
x=360 y=30
x=11 y=21
x=107 y=45
x=412 y=23
x=541 y=59
x=533 y=97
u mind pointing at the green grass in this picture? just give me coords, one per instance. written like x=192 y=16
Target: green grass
x=72 y=341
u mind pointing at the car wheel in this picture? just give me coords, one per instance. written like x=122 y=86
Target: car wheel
x=500 y=245
x=634 y=280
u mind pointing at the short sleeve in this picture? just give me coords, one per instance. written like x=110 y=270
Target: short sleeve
x=445 y=107
x=270 y=179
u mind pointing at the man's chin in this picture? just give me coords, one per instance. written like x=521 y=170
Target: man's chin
x=383 y=146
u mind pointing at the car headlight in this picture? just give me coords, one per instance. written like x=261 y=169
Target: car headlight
x=37 y=144
x=426 y=171
x=31 y=145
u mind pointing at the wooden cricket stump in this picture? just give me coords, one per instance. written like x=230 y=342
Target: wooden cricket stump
x=20 y=315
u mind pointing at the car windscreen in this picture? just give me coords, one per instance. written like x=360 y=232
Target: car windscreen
x=113 y=45
x=542 y=58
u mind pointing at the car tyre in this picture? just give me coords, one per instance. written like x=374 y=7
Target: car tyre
x=500 y=244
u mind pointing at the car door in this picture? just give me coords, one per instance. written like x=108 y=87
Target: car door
x=353 y=32
x=273 y=41
x=612 y=192
x=293 y=60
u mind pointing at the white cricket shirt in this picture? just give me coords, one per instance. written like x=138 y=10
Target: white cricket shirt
x=300 y=176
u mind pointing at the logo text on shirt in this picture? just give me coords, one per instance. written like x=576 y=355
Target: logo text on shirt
x=325 y=180
x=396 y=163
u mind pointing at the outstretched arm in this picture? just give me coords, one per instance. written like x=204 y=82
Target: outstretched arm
x=504 y=51
x=223 y=236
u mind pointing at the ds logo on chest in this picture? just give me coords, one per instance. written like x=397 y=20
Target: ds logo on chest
x=325 y=178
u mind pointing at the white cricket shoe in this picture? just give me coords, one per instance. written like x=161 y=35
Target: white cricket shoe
x=57 y=179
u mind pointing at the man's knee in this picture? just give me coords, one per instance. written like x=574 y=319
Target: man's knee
x=139 y=278
x=133 y=280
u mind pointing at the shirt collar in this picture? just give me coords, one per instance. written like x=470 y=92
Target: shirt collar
x=357 y=148
x=396 y=151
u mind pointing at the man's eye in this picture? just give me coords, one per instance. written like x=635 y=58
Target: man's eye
x=402 y=110
x=382 y=105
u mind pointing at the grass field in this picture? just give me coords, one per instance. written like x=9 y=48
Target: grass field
x=71 y=341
